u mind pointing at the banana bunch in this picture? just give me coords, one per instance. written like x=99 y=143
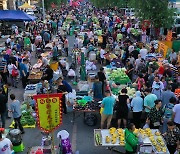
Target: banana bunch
x=148 y=132
x=112 y=130
x=157 y=133
x=115 y=134
x=158 y=148
x=108 y=139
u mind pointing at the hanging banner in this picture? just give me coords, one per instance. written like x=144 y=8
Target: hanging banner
x=162 y=48
x=49 y=111
x=169 y=35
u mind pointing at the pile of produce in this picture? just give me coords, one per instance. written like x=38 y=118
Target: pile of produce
x=130 y=92
x=155 y=138
x=27 y=119
x=86 y=106
x=118 y=75
x=98 y=139
x=116 y=136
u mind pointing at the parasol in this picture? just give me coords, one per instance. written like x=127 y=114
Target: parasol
x=26 y=6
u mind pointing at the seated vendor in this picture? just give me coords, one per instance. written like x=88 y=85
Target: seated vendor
x=43 y=60
x=43 y=88
x=48 y=74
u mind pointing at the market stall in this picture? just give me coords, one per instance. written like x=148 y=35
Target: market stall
x=27 y=118
x=35 y=76
x=84 y=105
x=150 y=140
x=118 y=75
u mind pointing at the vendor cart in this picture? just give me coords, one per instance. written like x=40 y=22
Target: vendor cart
x=85 y=108
x=150 y=140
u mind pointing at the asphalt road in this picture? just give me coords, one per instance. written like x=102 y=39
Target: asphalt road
x=81 y=135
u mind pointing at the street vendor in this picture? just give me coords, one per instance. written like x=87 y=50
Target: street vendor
x=131 y=141
x=42 y=60
x=48 y=75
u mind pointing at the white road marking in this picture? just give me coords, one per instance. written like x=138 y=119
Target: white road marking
x=74 y=137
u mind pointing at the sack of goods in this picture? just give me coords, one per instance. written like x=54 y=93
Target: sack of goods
x=90 y=119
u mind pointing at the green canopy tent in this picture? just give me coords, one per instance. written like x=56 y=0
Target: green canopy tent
x=82 y=68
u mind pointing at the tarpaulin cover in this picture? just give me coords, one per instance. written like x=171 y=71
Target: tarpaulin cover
x=15 y=15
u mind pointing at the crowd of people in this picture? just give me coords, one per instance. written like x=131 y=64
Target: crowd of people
x=155 y=101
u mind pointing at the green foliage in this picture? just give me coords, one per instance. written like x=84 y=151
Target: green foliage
x=156 y=11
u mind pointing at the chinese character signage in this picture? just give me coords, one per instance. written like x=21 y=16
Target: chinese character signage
x=49 y=113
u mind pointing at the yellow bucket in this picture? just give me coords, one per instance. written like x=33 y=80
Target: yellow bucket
x=54 y=66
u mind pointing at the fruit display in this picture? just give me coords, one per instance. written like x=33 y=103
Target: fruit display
x=155 y=137
x=114 y=136
x=117 y=75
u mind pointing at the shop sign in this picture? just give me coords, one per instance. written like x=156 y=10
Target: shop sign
x=49 y=111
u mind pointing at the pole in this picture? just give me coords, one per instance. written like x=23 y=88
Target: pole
x=43 y=10
x=53 y=144
x=52 y=133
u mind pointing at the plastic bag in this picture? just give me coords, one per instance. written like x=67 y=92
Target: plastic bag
x=146 y=126
x=71 y=72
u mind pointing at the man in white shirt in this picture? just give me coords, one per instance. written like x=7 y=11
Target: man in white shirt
x=106 y=19
x=102 y=52
x=173 y=56
x=8 y=40
x=131 y=48
x=156 y=81
x=157 y=87
x=90 y=34
x=176 y=115
x=143 y=52
x=5 y=145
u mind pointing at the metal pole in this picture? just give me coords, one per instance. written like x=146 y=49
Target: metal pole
x=43 y=10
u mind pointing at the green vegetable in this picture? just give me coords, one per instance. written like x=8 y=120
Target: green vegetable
x=97 y=139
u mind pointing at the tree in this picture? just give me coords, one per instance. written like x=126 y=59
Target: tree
x=156 y=11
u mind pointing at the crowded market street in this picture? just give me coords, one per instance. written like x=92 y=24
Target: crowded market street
x=90 y=77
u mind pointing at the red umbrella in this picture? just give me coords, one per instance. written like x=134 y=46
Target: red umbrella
x=75 y=4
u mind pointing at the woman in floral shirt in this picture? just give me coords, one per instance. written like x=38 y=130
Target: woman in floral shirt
x=155 y=115
x=172 y=137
